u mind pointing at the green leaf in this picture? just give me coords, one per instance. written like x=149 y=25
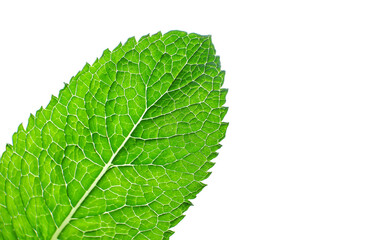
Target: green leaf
x=122 y=149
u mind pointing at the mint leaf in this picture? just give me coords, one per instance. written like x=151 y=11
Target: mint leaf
x=122 y=149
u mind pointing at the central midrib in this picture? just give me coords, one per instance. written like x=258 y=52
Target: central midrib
x=95 y=182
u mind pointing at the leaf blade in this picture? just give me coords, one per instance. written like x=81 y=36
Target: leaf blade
x=131 y=135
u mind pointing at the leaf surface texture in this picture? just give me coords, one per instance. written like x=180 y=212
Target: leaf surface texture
x=122 y=149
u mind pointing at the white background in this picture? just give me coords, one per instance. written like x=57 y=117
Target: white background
x=294 y=162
